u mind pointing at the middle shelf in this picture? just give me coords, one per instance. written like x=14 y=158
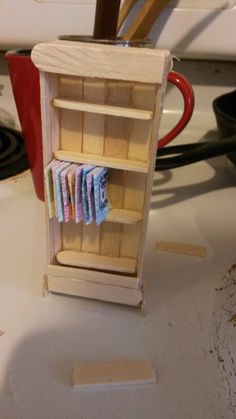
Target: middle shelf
x=97 y=160
x=103 y=109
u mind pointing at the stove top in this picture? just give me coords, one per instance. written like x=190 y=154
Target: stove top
x=13 y=158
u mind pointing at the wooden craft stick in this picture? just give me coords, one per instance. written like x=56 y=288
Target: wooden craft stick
x=181 y=248
x=146 y=17
x=124 y=11
x=113 y=373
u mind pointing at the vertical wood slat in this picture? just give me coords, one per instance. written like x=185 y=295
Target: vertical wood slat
x=71 y=121
x=71 y=236
x=94 y=90
x=140 y=131
x=160 y=89
x=118 y=129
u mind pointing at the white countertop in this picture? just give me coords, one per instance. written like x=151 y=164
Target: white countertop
x=186 y=334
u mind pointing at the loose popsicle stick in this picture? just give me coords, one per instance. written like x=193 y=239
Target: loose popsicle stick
x=143 y=22
x=181 y=248
x=110 y=373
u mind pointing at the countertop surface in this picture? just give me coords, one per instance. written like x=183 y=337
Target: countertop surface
x=188 y=333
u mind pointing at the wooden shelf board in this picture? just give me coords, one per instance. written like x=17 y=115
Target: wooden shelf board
x=88 y=260
x=81 y=288
x=112 y=162
x=124 y=216
x=88 y=275
x=99 y=108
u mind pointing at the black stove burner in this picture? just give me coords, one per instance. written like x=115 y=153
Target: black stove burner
x=13 y=158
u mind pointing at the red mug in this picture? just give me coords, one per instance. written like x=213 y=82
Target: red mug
x=25 y=85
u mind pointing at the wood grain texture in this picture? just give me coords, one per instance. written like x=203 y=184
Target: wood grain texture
x=103 y=75
x=51 y=138
x=124 y=11
x=107 y=161
x=98 y=108
x=81 y=288
x=110 y=373
x=105 y=278
x=102 y=61
x=124 y=216
x=94 y=124
x=181 y=248
x=100 y=262
x=71 y=123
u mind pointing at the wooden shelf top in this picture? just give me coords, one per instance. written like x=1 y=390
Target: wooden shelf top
x=99 y=108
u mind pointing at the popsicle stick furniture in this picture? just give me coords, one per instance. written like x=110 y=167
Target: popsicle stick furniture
x=101 y=104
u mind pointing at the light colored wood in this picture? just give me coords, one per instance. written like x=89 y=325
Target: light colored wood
x=102 y=61
x=181 y=248
x=117 y=130
x=144 y=20
x=90 y=238
x=100 y=262
x=116 y=187
x=106 y=161
x=140 y=131
x=110 y=373
x=102 y=109
x=114 y=294
x=124 y=11
x=71 y=122
x=71 y=236
x=50 y=137
x=92 y=74
x=152 y=159
x=75 y=274
x=134 y=192
x=110 y=239
x=124 y=216
x=129 y=241
x=93 y=124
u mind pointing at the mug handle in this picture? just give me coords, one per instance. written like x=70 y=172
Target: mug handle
x=188 y=96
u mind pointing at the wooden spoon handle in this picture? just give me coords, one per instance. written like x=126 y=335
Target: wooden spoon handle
x=146 y=17
x=106 y=18
x=124 y=11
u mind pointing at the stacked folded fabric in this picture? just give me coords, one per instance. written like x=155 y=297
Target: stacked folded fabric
x=76 y=192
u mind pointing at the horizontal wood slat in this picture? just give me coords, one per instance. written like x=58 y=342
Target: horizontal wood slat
x=88 y=260
x=102 y=109
x=112 y=162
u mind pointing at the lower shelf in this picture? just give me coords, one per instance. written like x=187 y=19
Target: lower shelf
x=124 y=216
x=81 y=288
x=88 y=260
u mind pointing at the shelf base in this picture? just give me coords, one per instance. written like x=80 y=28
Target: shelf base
x=81 y=288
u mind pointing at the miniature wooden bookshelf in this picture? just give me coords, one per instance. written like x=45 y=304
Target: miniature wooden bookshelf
x=101 y=105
